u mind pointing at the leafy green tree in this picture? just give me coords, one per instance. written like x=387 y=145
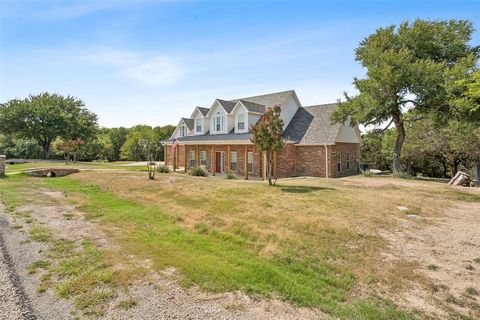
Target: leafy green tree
x=465 y=96
x=267 y=136
x=407 y=67
x=372 y=151
x=131 y=149
x=45 y=117
x=117 y=137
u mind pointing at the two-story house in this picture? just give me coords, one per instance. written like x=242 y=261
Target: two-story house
x=218 y=139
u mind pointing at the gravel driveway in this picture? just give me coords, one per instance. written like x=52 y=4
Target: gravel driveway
x=14 y=303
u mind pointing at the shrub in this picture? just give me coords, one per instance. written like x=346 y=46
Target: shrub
x=402 y=175
x=230 y=176
x=198 y=172
x=163 y=169
x=366 y=173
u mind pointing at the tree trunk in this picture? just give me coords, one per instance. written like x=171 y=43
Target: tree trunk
x=46 y=149
x=454 y=167
x=396 y=166
x=444 y=169
x=269 y=167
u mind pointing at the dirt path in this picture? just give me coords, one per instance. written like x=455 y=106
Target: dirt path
x=447 y=249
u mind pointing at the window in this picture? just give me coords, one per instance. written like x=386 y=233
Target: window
x=250 y=162
x=203 y=158
x=339 y=162
x=198 y=125
x=183 y=131
x=218 y=123
x=192 y=158
x=233 y=161
x=241 y=122
x=348 y=160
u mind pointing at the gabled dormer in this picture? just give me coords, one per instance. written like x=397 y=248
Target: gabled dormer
x=184 y=128
x=200 y=120
x=246 y=114
x=220 y=117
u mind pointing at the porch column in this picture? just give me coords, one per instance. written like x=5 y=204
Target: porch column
x=177 y=156
x=228 y=158
x=214 y=161
x=185 y=157
x=197 y=157
x=165 y=147
x=245 y=161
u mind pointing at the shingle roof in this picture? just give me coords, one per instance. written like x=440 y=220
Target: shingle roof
x=269 y=100
x=312 y=125
x=253 y=107
x=227 y=105
x=203 y=111
x=189 y=122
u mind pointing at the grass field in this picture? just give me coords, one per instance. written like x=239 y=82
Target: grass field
x=312 y=242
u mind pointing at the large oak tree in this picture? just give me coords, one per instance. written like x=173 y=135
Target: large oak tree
x=409 y=67
x=45 y=117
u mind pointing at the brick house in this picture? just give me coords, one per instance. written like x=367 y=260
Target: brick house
x=218 y=139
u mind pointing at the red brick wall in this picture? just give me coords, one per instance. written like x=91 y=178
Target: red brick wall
x=286 y=161
x=292 y=161
x=339 y=155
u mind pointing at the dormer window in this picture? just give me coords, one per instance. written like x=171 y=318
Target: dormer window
x=218 y=124
x=183 y=131
x=198 y=125
x=241 y=122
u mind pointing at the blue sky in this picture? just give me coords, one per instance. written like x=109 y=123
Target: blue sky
x=152 y=62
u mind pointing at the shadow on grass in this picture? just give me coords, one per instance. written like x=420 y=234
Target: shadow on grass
x=302 y=189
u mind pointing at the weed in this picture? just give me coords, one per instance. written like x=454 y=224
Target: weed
x=433 y=267
x=127 y=304
x=38 y=264
x=477 y=260
x=40 y=233
x=68 y=216
x=471 y=291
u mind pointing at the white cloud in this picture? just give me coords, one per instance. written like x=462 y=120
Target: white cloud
x=156 y=71
x=147 y=69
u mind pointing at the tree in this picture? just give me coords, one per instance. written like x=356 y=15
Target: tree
x=465 y=96
x=407 y=68
x=267 y=136
x=117 y=137
x=131 y=149
x=371 y=149
x=45 y=117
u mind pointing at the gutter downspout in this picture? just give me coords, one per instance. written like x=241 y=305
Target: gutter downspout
x=326 y=161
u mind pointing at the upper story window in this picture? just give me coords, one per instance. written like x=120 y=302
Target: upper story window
x=198 y=125
x=241 y=122
x=183 y=131
x=218 y=122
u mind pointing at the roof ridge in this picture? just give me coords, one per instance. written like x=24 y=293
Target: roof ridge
x=263 y=95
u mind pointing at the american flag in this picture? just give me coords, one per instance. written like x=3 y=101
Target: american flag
x=174 y=144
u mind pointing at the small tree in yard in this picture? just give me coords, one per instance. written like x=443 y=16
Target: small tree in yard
x=267 y=137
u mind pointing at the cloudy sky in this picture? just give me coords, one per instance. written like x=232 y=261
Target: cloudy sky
x=153 y=61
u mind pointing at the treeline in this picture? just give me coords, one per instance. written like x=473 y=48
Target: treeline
x=50 y=126
x=429 y=149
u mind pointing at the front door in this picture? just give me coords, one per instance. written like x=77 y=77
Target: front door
x=218 y=162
